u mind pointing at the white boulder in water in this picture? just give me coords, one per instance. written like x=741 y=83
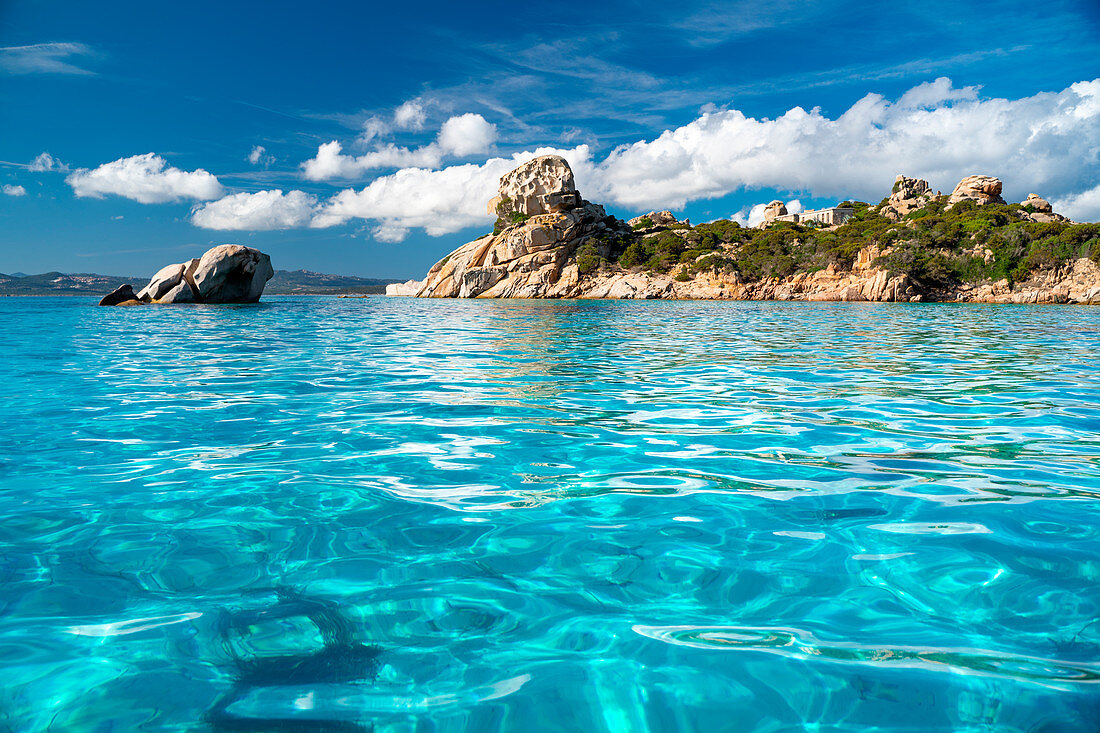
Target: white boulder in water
x=228 y=273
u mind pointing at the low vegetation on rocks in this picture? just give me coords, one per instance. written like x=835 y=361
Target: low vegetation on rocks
x=915 y=244
x=934 y=247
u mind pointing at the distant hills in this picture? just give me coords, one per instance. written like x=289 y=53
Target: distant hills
x=285 y=282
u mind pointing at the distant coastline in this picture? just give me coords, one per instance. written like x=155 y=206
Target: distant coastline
x=285 y=282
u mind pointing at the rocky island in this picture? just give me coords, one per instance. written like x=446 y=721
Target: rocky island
x=228 y=273
x=914 y=245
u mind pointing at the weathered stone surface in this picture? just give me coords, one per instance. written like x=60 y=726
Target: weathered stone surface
x=527 y=259
x=121 y=294
x=981 y=189
x=1038 y=203
x=907 y=195
x=165 y=279
x=538 y=258
x=228 y=273
x=181 y=293
x=407 y=288
x=656 y=221
x=231 y=273
x=774 y=209
x=540 y=186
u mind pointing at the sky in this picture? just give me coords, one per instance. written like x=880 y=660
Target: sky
x=365 y=138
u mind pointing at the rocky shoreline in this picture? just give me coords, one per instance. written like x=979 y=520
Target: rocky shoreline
x=550 y=243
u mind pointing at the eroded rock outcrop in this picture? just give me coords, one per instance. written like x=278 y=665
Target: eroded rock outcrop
x=228 y=273
x=774 y=209
x=656 y=221
x=980 y=189
x=550 y=243
x=407 y=288
x=531 y=257
x=539 y=186
x=907 y=195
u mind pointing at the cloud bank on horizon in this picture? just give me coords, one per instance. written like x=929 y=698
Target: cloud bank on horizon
x=1046 y=143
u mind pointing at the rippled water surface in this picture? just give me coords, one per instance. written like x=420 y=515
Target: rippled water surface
x=341 y=514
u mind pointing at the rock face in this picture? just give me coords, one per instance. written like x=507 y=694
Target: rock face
x=409 y=287
x=1038 y=203
x=981 y=189
x=1042 y=212
x=1074 y=282
x=550 y=243
x=656 y=221
x=774 y=209
x=908 y=195
x=527 y=259
x=228 y=273
x=122 y=295
x=540 y=186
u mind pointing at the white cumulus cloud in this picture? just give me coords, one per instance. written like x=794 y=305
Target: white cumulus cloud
x=147 y=179
x=438 y=201
x=12 y=190
x=410 y=115
x=260 y=156
x=461 y=136
x=468 y=134
x=750 y=216
x=44 y=162
x=1046 y=143
x=1083 y=206
x=260 y=211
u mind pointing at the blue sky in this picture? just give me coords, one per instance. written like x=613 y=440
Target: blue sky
x=705 y=108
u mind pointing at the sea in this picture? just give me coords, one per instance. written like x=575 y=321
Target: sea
x=391 y=514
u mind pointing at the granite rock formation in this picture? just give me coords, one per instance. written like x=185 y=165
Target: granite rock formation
x=531 y=257
x=774 y=209
x=656 y=221
x=228 y=273
x=550 y=243
x=980 y=189
x=908 y=195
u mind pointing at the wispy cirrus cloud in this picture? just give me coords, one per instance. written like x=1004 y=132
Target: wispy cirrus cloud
x=45 y=58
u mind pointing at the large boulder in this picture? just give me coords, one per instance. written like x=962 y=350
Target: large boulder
x=228 y=273
x=656 y=221
x=1038 y=203
x=907 y=195
x=774 y=209
x=122 y=295
x=980 y=189
x=231 y=273
x=540 y=186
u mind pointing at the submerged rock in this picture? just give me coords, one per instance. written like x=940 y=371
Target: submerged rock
x=228 y=273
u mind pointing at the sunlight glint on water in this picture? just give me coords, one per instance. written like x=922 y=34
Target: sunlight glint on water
x=549 y=516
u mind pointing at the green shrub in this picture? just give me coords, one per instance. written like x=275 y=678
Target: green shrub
x=587 y=258
x=644 y=223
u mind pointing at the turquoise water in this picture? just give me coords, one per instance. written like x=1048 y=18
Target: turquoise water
x=332 y=515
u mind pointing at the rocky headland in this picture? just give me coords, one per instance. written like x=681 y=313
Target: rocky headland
x=914 y=245
x=228 y=273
